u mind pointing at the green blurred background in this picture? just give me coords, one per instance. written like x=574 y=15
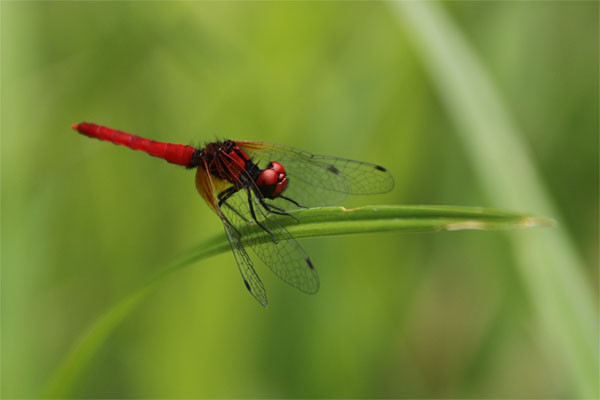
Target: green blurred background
x=85 y=223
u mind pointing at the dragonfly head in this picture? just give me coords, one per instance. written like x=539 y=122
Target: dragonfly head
x=272 y=180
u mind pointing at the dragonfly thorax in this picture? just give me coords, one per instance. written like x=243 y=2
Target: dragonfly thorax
x=225 y=160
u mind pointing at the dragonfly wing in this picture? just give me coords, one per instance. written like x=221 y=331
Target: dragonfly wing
x=249 y=275
x=209 y=188
x=286 y=258
x=323 y=178
x=306 y=194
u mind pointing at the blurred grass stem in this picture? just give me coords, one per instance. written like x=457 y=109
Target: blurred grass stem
x=549 y=263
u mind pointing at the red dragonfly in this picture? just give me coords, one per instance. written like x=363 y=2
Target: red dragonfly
x=247 y=182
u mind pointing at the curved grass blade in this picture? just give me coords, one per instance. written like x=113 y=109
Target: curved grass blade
x=313 y=222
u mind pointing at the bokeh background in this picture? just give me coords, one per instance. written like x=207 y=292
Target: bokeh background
x=86 y=223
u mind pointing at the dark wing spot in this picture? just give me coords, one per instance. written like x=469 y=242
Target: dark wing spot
x=247 y=286
x=309 y=263
x=333 y=169
x=380 y=168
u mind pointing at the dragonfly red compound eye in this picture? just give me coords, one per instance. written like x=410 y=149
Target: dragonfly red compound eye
x=272 y=180
x=274 y=165
x=243 y=184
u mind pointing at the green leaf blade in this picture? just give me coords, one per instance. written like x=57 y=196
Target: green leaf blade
x=314 y=222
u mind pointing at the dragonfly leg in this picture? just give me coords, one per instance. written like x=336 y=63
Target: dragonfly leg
x=272 y=208
x=256 y=219
x=237 y=212
x=224 y=196
x=292 y=201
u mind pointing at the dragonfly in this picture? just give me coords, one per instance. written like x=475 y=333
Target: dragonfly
x=252 y=183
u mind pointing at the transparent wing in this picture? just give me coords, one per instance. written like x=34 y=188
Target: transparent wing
x=316 y=180
x=286 y=258
x=207 y=188
x=249 y=275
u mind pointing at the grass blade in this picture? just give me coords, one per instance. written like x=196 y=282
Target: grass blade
x=312 y=223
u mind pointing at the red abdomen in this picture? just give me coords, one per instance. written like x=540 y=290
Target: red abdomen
x=174 y=153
